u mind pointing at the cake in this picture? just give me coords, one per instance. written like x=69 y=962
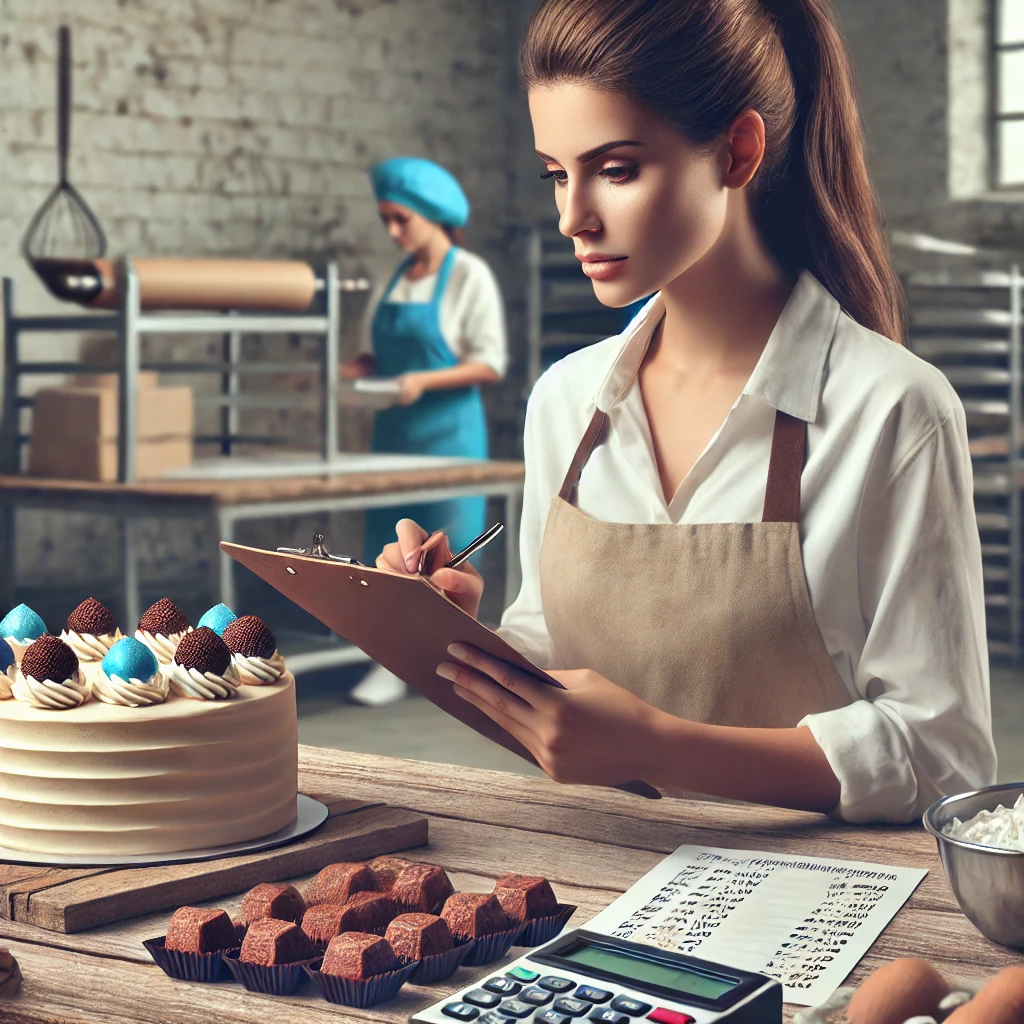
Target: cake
x=337 y=882
x=254 y=651
x=525 y=897
x=386 y=869
x=374 y=909
x=8 y=670
x=358 y=956
x=91 y=630
x=271 y=943
x=19 y=627
x=218 y=618
x=161 y=628
x=422 y=888
x=129 y=675
x=415 y=936
x=200 y=930
x=201 y=668
x=81 y=776
x=281 y=902
x=475 y=915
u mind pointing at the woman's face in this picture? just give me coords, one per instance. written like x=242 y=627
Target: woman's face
x=641 y=204
x=409 y=230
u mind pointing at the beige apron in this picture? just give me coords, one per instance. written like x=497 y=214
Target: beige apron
x=711 y=622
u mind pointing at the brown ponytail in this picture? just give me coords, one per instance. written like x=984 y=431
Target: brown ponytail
x=455 y=235
x=700 y=64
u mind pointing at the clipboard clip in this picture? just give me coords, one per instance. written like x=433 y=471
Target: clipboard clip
x=320 y=550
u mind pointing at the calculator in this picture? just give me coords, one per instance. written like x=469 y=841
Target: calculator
x=596 y=979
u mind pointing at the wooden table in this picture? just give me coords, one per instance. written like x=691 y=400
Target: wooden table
x=592 y=843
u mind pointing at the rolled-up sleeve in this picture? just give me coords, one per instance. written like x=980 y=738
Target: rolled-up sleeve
x=482 y=326
x=923 y=726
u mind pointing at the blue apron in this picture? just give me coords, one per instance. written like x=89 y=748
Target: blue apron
x=407 y=338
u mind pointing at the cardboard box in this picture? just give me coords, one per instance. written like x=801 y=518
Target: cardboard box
x=147 y=379
x=97 y=460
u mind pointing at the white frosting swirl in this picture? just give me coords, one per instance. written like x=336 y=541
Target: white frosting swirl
x=259 y=671
x=131 y=693
x=6 y=679
x=50 y=696
x=87 y=646
x=162 y=646
x=190 y=682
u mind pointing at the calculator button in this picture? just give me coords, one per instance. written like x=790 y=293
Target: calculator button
x=522 y=974
x=461 y=1011
x=553 y=983
x=478 y=997
x=536 y=996
x=552 y=1017
x=663 y=1016
x=515 y=1008
x=573 y=1007
x=492 y=1018
x=608 y=1016
x=630 y=1007
x=503 y=986
x=593 y=995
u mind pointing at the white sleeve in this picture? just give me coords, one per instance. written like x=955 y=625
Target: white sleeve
x=523 y=625
x=924 y=729
x=481 y=319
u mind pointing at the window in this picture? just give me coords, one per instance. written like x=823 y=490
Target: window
x=1008 y=93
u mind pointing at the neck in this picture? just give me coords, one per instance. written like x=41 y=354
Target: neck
x=721 y=311
x=429 y=258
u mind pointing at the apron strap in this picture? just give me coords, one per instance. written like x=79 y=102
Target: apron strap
x=593 y=437
x=782 y=492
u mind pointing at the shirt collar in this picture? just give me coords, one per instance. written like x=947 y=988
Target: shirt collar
x=789 y=374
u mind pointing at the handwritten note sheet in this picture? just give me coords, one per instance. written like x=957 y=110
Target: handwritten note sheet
x=804 y=920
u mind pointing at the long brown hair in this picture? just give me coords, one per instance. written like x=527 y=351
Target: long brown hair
x=700 y=64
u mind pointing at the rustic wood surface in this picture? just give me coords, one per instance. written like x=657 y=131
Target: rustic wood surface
x=592 y=843
x=166 y=494
x=76 y=899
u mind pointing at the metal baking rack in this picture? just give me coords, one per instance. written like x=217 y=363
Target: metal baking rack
x=130 y=323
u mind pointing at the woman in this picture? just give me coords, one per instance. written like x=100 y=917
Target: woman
x=439 y=329
x=749 y=548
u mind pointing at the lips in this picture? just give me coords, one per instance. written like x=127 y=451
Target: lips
x=599 y=266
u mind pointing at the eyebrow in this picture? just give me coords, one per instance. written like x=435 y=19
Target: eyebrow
x=592 y=154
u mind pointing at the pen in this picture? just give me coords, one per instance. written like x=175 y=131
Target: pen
x=467 y=552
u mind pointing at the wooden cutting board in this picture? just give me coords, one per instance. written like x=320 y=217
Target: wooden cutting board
x=75 y=899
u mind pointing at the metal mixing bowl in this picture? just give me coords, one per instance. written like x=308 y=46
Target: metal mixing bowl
x=988 y=883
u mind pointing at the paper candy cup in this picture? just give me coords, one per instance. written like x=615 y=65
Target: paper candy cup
x=432 y=969
x=202 y=967
x=539 y=930
x=348 y=992
x=492 y=947
x=282 y=980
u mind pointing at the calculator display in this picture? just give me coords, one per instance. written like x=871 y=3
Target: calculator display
x=635 y=968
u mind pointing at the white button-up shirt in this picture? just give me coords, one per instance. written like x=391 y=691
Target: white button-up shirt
x=890 y=542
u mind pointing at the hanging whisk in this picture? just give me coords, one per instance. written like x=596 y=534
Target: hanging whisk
x=64 y=237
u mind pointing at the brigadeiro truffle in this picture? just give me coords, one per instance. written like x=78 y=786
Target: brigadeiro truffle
x=254 y=651
x=322 y=922
x=270 y=943
x=281 y=902
x=337 y=882
x=49 y=677
x=91 y=631
x=385 y=870
x=200 y=930
x=376 y=910
x=524 y=897
x=475 y=915
x=415 y=936
x=161 y=628
x=202 y=667
x=421 y=888
x=358 y=956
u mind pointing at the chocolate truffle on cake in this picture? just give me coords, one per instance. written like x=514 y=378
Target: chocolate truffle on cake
x=200 y=930
x=91 y=630
x=161 y=628
x=20 y=627
x=130 y=676
x=281 y=902
x=336 y=882
x=8 y=669
x=358 y=956
x=254 y=651
x=49 y=677
x=202 y=667
x=385 y=870
x=524 y=897
x=415 y=936
x=218 y=618
x=421 y=888
x=475 y=915
x=375 y=909
x=271 y=943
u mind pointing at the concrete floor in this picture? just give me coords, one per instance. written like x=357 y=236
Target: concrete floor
x=415 y=728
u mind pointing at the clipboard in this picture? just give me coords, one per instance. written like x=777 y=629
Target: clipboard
x=402 y=622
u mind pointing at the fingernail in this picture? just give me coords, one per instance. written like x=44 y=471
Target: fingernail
x=447 y=670
x=412 y=560
x=458 y=651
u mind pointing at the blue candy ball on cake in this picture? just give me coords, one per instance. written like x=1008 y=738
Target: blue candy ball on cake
x=22 y=624
x=130 y=659
x=218 y=618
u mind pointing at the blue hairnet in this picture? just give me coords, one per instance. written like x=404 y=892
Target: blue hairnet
x=422 y=186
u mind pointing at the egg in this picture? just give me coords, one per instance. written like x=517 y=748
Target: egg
x=896 y=992
x=1000 y=1001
